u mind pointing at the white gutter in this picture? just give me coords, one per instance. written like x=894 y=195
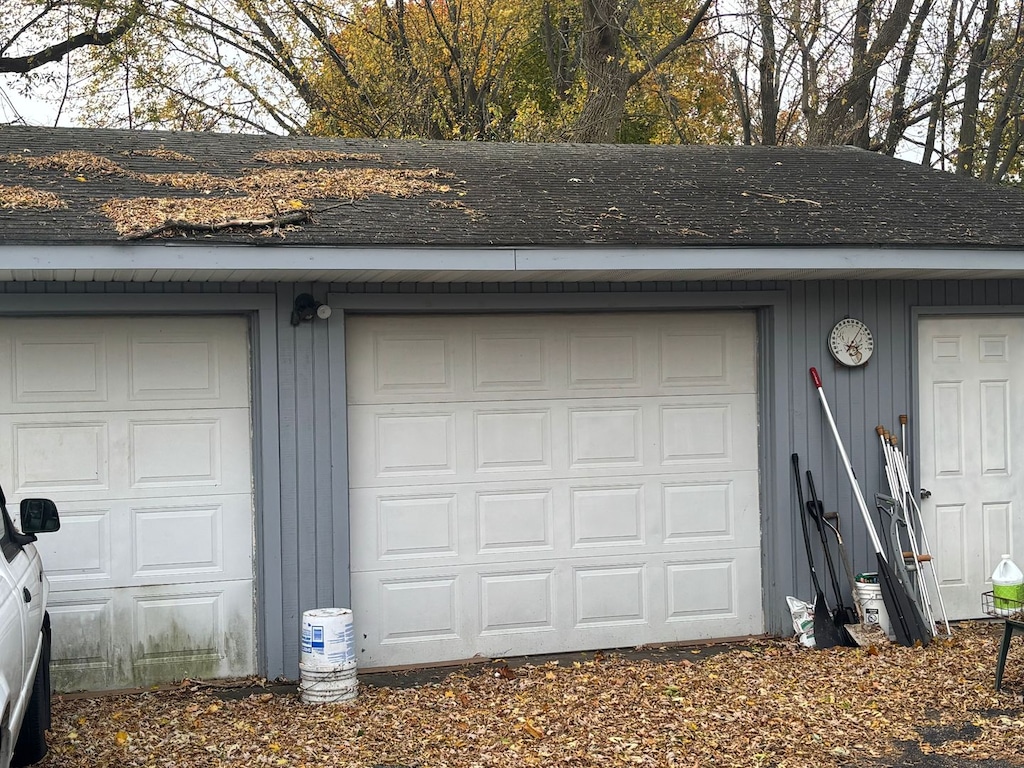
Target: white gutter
x=289 y=258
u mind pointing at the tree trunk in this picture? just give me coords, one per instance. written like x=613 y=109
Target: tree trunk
x=767 y=66
x=557 y=51
x=898 y=114
x=967 y=149
x=859 y=132
x=605 y=69
x=948 y=57
x=1011 y=99
x=829 y=127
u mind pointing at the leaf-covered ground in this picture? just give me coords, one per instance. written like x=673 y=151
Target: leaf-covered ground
x=766 y=704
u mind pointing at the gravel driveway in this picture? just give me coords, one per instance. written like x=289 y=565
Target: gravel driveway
x=767 y=703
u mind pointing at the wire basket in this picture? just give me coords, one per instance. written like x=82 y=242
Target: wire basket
x=1002 y=607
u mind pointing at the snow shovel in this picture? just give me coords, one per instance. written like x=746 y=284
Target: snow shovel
x=907 y=623
x=843 y=614
x=826 y=634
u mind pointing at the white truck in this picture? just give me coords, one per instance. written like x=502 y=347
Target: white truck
x=24 y=634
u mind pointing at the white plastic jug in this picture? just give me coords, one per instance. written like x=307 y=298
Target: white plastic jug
x=1007 y=587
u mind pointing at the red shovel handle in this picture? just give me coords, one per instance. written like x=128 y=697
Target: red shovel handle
x=816 y=378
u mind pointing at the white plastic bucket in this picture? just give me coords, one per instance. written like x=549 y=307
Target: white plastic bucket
x=869 y=597
x=327 y=686
x=328 y=639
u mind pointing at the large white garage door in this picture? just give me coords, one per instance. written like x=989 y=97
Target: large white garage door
x=139 y=429
x=532 y=484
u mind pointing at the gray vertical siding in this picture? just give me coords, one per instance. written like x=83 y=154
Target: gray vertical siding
x=302 y=527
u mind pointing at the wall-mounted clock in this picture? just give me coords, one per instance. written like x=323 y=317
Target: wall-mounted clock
x=851 y=342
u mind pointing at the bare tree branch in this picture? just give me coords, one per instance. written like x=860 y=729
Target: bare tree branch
x=23 y=64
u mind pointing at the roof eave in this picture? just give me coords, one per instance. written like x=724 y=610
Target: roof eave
x=192 y=262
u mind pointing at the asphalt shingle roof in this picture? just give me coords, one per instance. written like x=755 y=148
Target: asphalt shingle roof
x=488 y=194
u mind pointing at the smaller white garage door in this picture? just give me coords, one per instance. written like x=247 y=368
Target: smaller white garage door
x=532 y=484
x=138 y=428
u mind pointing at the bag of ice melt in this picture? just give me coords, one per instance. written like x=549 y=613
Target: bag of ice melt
x=803 y=620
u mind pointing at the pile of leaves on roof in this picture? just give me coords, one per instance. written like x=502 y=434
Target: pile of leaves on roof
x=264 y=198
x=13 y=197
x=769 y=703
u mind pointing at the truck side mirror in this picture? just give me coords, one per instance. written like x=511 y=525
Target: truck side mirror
x=39 y=516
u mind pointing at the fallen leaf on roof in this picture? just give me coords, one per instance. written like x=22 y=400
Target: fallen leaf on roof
x=71 y=161
x=14 y=197
x=293 y=156
x=133 y=216
x=160 y=153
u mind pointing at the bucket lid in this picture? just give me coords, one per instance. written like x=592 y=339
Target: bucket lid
x=326 y=613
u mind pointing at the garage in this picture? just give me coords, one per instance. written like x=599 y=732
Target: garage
x=971 y=369
x=536 y=483
x=139 y=429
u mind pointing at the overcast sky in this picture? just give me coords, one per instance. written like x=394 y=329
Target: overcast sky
x=15 y=108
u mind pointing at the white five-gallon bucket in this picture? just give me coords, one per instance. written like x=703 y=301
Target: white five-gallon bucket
x=328 y=639
x=327 y=686
x=869 y=597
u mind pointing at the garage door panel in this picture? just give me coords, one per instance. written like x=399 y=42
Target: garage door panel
x=420 y=608
x=711 y=510
x=513 y=521
x=698 y=434
x=188 y=542
x=167 y=633
x=197 y=451
x=551 y=606
x=89 y=362
x=121 y=543
x=126 y=453
x=59 y=456
x=567 y=518
x=609 y=595
x=68 y=369
x=522 y=601
x=590 y=481
x=543 y=357
x=403 y=363
x=81 y=556
x=509 y=361
x=393 y=444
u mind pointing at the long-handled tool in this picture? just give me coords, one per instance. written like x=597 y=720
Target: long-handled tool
x=830 y=520
x=826 y=633
x=914 y=510
x=907 y=623
x=842 y=615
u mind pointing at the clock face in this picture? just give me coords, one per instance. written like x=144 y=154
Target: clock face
x=850 y=342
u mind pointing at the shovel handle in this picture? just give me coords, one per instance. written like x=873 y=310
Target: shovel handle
x=903 y=419
x=816 y=378
x=880 y=430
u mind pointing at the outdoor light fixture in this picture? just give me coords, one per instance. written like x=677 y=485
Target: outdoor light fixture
x=306 y=308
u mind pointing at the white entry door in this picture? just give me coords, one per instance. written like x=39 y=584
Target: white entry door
x=972 y=406
x=138 y=428
x=538 y=483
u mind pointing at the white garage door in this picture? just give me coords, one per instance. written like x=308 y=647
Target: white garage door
x=972 y=402
x=532 y=484
x=139 y=429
